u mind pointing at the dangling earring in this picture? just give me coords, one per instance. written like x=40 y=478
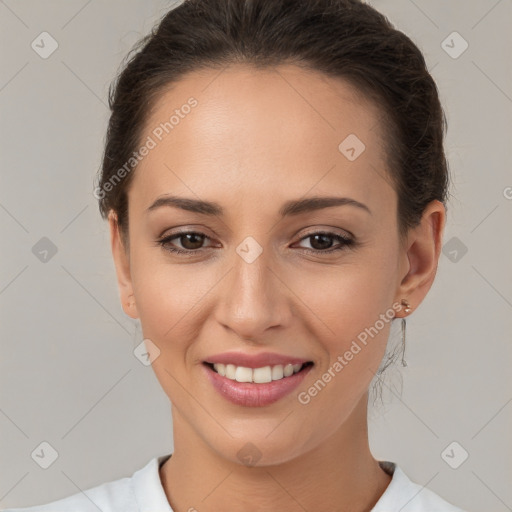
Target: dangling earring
x=407 y=310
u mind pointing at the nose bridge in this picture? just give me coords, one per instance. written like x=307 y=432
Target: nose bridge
x=252 y=299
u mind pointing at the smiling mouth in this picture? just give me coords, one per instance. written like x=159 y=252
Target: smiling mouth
x=260 y=375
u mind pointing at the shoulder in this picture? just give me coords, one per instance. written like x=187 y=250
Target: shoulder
x=108 y=497
x=127 y=494
x=407 y=496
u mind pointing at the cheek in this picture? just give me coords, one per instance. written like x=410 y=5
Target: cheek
x=168 y=298
x=168 y=302
x=350 y=314
x=346 y=299
x=356 y=320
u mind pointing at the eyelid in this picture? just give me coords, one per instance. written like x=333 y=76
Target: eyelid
x=165 y=239
x=200 y=230
x=329 y=230
x=344 y=242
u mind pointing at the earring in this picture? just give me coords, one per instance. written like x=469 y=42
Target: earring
x=407 y=310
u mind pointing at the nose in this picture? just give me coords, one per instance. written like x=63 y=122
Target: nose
x=253 y=299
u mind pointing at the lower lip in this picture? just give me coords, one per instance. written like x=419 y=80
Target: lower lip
x=249 y=394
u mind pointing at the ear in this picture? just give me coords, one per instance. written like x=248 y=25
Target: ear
x=421 y=257
x=121 y=258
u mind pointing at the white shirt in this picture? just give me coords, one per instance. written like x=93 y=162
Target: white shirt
x=143 y=492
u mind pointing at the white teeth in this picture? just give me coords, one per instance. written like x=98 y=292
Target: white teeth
x=277 y=372
x=261 y=375
x=243 y=374
x=230 y=371
x=288 y=370
x=257 y=375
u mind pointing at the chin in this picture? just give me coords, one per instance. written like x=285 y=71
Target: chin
x=259 y=450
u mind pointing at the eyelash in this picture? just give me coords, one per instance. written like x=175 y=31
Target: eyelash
x=345 y=243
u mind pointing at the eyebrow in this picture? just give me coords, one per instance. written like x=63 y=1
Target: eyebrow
x=290 y=208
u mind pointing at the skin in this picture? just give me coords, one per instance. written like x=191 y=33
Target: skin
x=257 y=139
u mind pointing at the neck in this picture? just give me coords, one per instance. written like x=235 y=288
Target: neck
x=339 y=474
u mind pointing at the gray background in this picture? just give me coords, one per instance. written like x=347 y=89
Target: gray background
x=68 y=375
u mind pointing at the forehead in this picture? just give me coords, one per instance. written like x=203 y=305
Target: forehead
x=264 y=132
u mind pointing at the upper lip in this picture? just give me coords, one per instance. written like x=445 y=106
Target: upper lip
x=254 y=360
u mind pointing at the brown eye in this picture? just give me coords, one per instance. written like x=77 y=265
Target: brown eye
x=190 y=242
x=322 y=242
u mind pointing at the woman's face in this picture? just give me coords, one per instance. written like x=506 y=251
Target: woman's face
x=256 y=280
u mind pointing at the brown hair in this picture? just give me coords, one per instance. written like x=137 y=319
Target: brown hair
x=342 y=38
